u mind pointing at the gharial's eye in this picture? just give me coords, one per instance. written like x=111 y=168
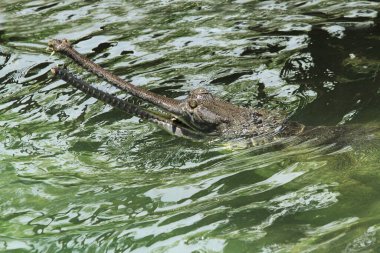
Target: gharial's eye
x=193 y=104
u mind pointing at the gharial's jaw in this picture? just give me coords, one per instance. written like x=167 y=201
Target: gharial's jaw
x=170 y=125
x=64 y=47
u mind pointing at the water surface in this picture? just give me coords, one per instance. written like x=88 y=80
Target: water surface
x=80 y=176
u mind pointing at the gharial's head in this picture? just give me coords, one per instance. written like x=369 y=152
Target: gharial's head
x=200 y=113
x=213 y=116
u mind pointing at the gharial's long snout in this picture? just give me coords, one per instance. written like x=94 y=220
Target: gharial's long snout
x=165 y=103
x=172 y=126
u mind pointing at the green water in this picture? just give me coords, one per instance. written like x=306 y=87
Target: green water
x=79 y=176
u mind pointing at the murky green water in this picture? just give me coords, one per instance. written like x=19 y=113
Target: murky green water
x=79 y=176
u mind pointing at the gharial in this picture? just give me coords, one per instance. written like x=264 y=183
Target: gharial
x=198 y=116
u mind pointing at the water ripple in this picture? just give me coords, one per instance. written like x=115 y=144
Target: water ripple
x=77 y=175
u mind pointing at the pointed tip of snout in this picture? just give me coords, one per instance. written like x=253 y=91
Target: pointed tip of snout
x=58 y=45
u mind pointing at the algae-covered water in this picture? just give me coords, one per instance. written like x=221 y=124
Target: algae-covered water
x=79 y=176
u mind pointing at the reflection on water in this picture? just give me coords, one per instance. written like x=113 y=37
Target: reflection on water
x=77 y=175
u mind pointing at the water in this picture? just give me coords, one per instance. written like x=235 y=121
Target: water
x=79 y=176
